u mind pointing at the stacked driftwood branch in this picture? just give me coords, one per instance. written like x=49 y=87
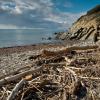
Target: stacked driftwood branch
x=58 y=75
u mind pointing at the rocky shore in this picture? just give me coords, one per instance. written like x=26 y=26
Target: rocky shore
x=82 y=60
x=87 y=27
x=13 y=58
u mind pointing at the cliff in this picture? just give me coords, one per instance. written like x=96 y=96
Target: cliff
x=87 y=27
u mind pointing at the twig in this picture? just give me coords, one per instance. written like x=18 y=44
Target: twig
x=57 y=64
x=93 y=78
x=3 y=93
x=92 y=95
x=76 y=68
x=16 y=89
x=72 y=72
x=63 y=64
x=64 y=95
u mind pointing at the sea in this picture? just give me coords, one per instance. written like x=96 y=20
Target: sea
x=20 y=37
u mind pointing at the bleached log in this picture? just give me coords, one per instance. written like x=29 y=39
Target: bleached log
x=15 y=72
x=68 y=49
x=82 y=47
x=35 y=72
x=91 y=78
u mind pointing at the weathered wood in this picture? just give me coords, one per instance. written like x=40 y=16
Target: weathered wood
x=91 y=78
x=67 y=50
x=56 y=64
x=64 y=64
x=15 y=72
x=58 y=55
x=82 y=47
x=35 y=72
x=16 y=89
x=54 y=59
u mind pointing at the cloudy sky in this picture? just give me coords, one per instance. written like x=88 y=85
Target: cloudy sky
x=42 y=15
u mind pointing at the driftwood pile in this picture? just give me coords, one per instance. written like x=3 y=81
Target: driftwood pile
x=56 y=75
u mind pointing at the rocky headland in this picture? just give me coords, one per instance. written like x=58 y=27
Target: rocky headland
x=87 y=27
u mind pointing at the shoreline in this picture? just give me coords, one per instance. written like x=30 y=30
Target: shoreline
x=16 y=57
x=23 y=48
x=17 y=49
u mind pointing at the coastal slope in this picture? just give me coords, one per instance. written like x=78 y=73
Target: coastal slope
x=87 y=27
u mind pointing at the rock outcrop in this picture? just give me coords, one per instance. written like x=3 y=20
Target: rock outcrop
x=87 y=27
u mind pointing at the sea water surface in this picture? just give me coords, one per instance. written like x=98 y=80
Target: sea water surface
x=19 y=37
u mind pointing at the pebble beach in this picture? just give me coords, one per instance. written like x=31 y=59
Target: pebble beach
x=14 y=58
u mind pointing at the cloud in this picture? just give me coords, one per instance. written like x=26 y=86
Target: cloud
x=17 y=10
x=35 y=14
x=65 y=4
x=21 y=6
x=8 y=26
x=17 y=6
x=11 y=26
x=68 y=4
x=47 y=2
x=65 y=19
x=39 y=5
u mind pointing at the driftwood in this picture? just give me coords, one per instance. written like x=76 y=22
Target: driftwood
x=20 y=75
x=91 y=78
x=67 y=50
x=16 y=72
x=57 y=74
x=59 y=55
x=35 y=73
x=82 y=47
x=34 y=57
x=16 y=89
x=56 y=64
x=54 y=59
